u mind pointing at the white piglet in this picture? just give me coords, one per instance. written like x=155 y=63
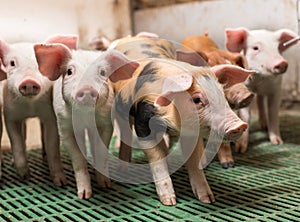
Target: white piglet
x=27 y=93
x=262 y=49
x=83 y=97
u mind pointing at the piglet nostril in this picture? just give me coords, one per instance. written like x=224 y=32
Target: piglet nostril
x=80 y=95
x=281 y=67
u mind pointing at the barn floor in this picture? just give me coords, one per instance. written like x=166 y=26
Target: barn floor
x=263 y=186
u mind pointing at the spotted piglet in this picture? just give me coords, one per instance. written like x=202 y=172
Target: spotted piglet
x=27 y=93
x=82 y=102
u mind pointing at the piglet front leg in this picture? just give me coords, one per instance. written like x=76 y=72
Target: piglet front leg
x=15 y=134
x=262 y=114
x=198 y=180
x=51 y=146
x=159 y=168
x=241 y=144
x=82 y=176
x=225 y=156
x=99 y=146
x=273 y=123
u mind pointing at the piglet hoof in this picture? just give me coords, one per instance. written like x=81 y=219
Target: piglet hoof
x=204 y=195
x=103 y=181
x=23 y=172
x=209 y=198
x=84 y=192
x=227 y=165
x=59 y=179
x=276 y=140
x=171 y=201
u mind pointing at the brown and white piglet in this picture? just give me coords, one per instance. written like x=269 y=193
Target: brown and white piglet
x=82 y=102
x=238 y=95
x=187 y=103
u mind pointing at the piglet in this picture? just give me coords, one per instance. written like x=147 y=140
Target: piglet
x=262 y=49
x=27 y=93
x=82 y=102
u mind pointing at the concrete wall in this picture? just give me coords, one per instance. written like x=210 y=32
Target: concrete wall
x=176 y=22
x=35 y=20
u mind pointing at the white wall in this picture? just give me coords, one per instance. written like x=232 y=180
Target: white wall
x=35 y=20
x=179 y=21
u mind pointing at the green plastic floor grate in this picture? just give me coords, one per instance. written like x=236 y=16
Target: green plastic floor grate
x=263 y=186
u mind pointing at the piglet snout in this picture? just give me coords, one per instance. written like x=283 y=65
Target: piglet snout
x=29 y=87
x=235 y=130
x=280 y=67
x=87 y=95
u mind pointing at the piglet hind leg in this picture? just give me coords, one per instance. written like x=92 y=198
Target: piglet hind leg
x=225 y=156
x=198 y=180
x=17 y=140
x=159 y=168
x=50 y=140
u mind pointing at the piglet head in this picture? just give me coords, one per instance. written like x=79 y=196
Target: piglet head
x=262 y=48
x=85 y=74
x=95 y=84
x=200 y=98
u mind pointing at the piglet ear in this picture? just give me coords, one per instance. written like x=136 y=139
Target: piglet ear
x=173 y=84
x=149 y=35
x=51 y=58
x=230 y=74
x=121 y=66
x=4 y=49
x=100 y=43
x=284 y=35
x=192 y=57
x=68 y=40
x=3 y=74
x=236 y=39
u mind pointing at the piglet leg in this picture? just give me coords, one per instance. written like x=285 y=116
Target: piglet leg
x=225 y=156
x=82 y=176
x=99 y=145
x=15 y=134
x=51 y=146
x=0 y=146
x=273 y=124
x=198 y=180
x=263 y=120
x=159 y=168
x=241 y=144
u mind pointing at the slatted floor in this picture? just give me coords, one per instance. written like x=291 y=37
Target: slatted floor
x=263 y=186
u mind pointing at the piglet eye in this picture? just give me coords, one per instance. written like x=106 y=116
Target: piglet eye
x=255 y=48
x=12 y=63
x=70 y=71
x=102 y=72
x=196 y=100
